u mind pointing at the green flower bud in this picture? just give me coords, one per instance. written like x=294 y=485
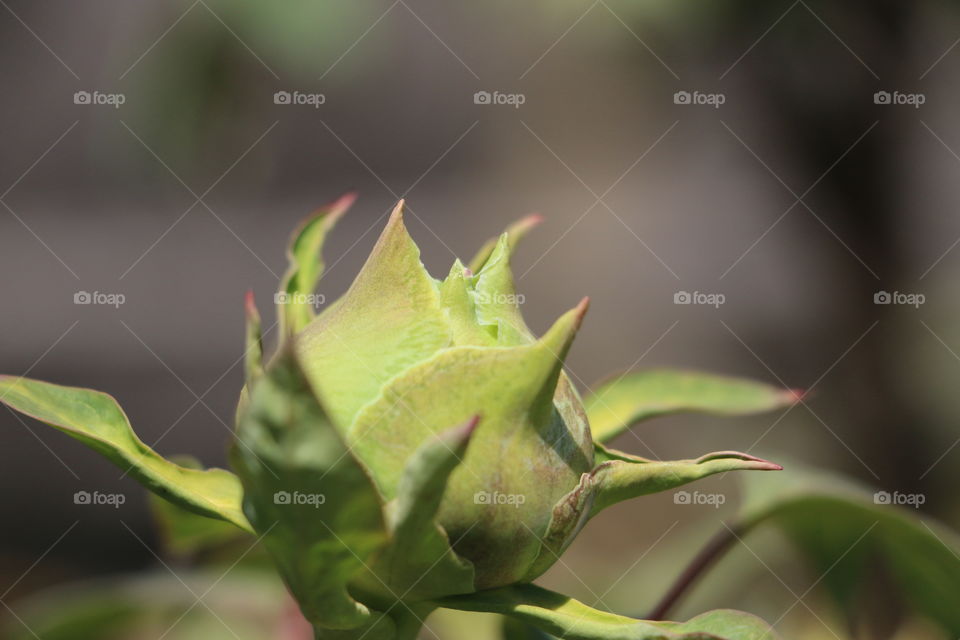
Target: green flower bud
x=415 y=443
x=475 y=442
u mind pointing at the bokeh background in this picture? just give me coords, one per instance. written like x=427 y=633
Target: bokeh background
x=798 y=199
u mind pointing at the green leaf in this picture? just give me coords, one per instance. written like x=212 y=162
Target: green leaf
x=515 y=232
x=573 y=620
x=523 y=447
x=185 y=533
x=95 y=419
x=294 y=307
x=253 y=353
x=847 y=538
x=622 y=476
x=419 y=555
x=318 y=513
x=237 y=605
x=389 y=320
x=630 y=398
x=619 y=476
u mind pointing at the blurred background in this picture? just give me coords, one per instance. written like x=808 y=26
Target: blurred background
x=796 y=161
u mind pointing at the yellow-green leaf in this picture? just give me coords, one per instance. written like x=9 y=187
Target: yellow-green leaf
x=95 y=419
x=294 y=306
x=573 y=620
x=625 y=400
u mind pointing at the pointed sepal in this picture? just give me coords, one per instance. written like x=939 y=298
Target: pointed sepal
x=513 y=389
x=310 y=500
x=388 y=320
x=515 y=232
x=496 y=298
x=622 y=476
x=253 y=354
x=295 y=307
x=419 y=561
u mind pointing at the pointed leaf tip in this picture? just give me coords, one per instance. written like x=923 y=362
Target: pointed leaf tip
x=250 y=305
x=581 y=310
x=397 y=213
x=344 y=202
x=559 y=337
x=513 y=234
x=465 y=432
x=753 y=462
x=793 y=396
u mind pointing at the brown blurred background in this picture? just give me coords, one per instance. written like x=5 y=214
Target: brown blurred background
x=799 y=198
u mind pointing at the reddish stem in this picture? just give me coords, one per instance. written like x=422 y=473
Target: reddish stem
x=717 y=546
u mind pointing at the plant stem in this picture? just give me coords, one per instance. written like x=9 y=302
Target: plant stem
x=718 y=545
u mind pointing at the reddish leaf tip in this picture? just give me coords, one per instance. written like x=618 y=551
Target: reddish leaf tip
x=582 y=309
x=339 y=206
x=793 y=396
x=530 y=221
x=471 y=425
x=397 y=214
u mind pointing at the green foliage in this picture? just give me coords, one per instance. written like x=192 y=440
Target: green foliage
x=95 y=419
x=416 y=446
x=850 y=542
x=309 y=499
x=568 y=618
x=633 y=397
